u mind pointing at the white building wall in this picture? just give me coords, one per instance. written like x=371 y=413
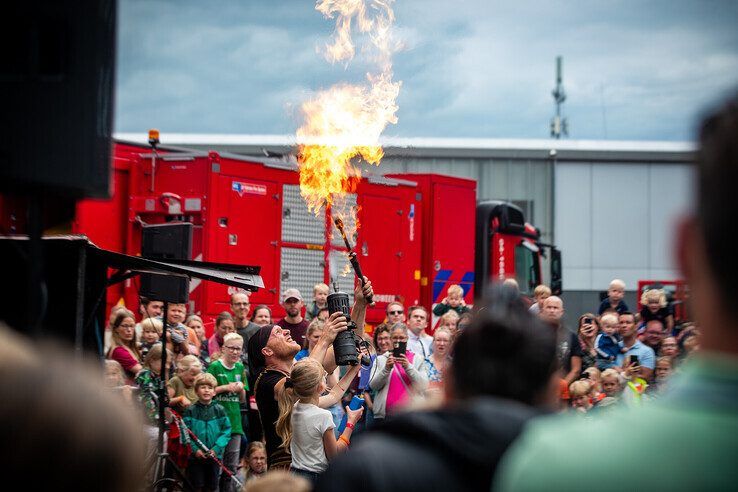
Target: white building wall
x=616 y=220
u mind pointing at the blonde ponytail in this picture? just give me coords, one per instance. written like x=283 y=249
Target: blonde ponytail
x=307 y=375
x=283 y=427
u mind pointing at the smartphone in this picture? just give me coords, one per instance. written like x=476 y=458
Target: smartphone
x=634 y=360
x=399 y=349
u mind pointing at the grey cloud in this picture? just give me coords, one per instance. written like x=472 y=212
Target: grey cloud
x=469 y=68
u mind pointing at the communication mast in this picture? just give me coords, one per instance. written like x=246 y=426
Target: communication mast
x=559 y=125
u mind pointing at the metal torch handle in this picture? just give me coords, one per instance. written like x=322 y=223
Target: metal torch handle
x=352 y=257
x=357 y=269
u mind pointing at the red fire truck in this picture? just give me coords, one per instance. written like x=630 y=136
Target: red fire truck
x=416 y=236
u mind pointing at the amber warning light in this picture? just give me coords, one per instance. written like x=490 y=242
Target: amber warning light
x=153 y=137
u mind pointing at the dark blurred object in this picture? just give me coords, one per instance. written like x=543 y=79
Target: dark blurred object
x=65 y=303
x=399 y=349
x=69 y=303
x=171 y=241
x=56 y=78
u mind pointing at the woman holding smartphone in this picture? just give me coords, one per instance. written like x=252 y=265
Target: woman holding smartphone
x=397 y=375
x=589 y=328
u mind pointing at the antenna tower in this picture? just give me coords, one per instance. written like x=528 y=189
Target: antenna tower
x=559 y=125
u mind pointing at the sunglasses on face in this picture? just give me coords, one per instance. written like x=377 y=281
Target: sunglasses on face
x=395 y=313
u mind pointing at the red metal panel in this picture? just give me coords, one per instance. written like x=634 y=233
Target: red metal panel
x=389 y=215
x=452 y=236
x=247 y=233
x=446 y=211
x=245 y=200
x=176 y=181
x=380 y=249
x=103 y=221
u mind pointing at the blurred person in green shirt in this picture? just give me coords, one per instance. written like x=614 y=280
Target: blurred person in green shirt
x=686 y=440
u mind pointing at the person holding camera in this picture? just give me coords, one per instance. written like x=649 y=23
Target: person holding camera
x=397 y=375
x=588 y=331
x=636 y=358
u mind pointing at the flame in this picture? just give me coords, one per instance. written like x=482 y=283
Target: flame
x=343 y=123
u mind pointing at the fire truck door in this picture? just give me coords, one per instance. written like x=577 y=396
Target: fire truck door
x=248 y=231
x=380 y=248
x=452 y=243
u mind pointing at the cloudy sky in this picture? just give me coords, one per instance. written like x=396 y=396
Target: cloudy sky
x=633 y=69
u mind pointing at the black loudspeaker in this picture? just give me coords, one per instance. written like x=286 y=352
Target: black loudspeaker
x=171 y=241
x=57 y=70
x=162 y=242
x=69 y=304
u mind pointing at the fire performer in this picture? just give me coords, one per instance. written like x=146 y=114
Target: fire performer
x=273 y=349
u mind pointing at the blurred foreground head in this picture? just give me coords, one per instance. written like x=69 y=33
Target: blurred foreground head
x=717 y=175
x=505 y=352
x=60 y=425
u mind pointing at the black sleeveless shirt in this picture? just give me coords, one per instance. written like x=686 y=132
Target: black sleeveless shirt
x=269 y=412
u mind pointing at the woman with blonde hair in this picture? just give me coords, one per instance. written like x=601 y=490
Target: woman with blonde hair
x=312 y=335
x=439 y=359
x=196 y=327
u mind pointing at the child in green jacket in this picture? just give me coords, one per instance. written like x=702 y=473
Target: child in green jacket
x=209 y=422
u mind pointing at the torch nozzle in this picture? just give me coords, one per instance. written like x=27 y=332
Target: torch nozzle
x=339 y=226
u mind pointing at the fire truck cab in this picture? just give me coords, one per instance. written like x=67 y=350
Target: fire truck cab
x=509 y=247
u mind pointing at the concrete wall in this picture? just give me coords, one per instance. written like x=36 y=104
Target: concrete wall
x=616 y=220
x=578 y=302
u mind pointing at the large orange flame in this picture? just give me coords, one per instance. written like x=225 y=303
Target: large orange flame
x=343 y=123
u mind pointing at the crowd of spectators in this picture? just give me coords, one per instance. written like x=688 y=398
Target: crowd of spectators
x=610 y=359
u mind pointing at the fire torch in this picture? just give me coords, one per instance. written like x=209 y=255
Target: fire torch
x=346 y=345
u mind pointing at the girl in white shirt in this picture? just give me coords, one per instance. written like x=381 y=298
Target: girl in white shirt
x=305 y=427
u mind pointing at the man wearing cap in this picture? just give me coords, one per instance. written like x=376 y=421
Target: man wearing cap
x=293 y=321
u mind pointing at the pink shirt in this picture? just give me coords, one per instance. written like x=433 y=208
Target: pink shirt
x=125 y=359
x=397 y=394
x=214 y=344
